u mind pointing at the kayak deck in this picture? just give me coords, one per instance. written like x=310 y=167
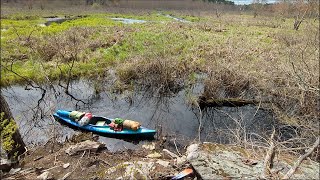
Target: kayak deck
x=99 y=125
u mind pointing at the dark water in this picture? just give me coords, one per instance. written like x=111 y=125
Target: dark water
x=55 y=20
x=171 y=116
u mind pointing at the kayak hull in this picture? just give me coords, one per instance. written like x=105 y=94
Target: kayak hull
x=63 y=117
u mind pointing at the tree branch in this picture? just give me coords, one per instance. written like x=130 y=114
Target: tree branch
x=301 y=158
x=268 y=162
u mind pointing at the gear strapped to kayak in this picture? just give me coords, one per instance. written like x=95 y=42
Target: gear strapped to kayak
x=118 y=124
x=76 y=115
x=100 y=125
x=81 y=118
x=85 y=119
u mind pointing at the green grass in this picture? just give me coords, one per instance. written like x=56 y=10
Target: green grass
x=160 y=36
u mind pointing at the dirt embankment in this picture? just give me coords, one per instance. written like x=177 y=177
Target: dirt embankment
x=85 y=158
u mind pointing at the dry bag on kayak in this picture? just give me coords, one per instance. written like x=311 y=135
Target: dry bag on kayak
x=85 y=119
x=129 y=124
x=76 y=115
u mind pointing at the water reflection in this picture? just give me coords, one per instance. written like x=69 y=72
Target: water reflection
x=177 y=18
x=128 y=21
x=172 y=116
x=57 y=20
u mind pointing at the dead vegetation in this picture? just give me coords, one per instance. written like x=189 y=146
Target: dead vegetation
x=281 y=76
x=64 y=46
x=284 y=80
x=160 y=75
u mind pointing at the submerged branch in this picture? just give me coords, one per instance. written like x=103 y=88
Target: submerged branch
x=229 y=102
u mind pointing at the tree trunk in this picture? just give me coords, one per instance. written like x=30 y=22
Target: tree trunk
x=11 y=140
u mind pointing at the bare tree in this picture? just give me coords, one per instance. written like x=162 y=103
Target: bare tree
x=11 y=140
x=302 y=8
x=299 y=9
x=29 y=4
x=42 y=4
x=257 y=6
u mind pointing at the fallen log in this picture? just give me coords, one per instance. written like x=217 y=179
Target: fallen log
x=228 y=102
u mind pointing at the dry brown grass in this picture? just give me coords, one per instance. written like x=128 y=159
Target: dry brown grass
x=65 y=46
x=227 y=84
x=287 y=77
x=159 y=75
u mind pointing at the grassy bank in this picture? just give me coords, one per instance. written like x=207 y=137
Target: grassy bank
x=239 y=56
x=240 y=41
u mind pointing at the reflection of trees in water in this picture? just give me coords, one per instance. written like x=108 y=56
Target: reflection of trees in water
x=161 y=107
x=236 y=125
x=34 y=106
x=160 y=103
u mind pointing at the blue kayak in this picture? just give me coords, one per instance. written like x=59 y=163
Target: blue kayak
x=99 y=125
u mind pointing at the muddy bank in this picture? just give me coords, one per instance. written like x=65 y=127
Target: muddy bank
x=152 y=161
x=55 y=160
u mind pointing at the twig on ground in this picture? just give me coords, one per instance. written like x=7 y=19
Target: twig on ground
x=50 y=168
x=268 y=162
x=78 y=163
x=65 y=176
x=174 y=141
x=55 y=160
x=38 y=158
x=301 y=158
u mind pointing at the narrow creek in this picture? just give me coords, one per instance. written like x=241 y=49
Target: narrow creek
x=171 y=116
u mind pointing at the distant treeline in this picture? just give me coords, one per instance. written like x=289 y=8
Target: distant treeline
x=136 y=4
x=220 y=1
x=105 y=2
x=286 y=8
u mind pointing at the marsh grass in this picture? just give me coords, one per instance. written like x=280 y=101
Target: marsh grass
x=285 y=75
x=242 y=57
x=160 y=75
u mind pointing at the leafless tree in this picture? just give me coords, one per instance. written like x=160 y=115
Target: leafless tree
x=299 y=10
x=257 y=6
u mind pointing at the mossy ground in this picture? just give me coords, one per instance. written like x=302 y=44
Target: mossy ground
x=8 y=129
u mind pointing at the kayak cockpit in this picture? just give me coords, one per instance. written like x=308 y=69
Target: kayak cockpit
x=99 y=121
